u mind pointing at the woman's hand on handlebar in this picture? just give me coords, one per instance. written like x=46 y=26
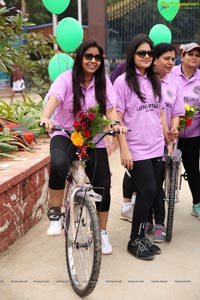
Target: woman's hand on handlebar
x=47 y=123
x=119 y=127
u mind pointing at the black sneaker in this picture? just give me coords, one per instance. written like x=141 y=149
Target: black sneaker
x=138 y=249
x=154 y=249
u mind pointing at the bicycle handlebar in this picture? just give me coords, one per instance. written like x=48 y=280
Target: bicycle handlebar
x=103 y=134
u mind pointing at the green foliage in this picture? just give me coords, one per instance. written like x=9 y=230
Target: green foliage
x=31 y=51
x=38 y=14
x=8 y=144
x=99 y=123
x=37 y=51
x=72 y=11
x=27 y=114
x=11 y=27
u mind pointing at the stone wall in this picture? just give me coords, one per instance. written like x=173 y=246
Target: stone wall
x=23 y=193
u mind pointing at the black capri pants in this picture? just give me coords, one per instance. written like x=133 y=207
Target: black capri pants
x=62 y=153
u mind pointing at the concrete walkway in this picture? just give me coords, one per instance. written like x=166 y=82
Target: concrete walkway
x=34 y=267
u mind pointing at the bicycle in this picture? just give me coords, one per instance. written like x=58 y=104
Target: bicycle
x=172 y=186
x=82 y=229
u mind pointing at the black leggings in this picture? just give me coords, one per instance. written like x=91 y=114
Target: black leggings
x=62 y=153
x=158 y=208
x=190 y=148
x=146 y=179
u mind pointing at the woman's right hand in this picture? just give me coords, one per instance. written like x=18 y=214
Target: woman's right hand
x=47 y=123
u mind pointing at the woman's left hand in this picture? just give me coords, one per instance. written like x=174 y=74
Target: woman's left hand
x=121 y=128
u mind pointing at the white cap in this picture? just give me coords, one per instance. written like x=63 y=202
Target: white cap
x=189 y=47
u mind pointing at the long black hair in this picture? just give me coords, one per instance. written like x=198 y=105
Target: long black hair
x=131 y=76
x=78 y=77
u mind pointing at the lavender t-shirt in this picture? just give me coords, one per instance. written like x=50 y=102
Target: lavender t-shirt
x=174 y=106
x=62 y=88
x=146 y=139
x=190 y=93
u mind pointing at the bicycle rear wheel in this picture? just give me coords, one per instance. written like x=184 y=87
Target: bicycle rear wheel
x=83 y=246
x=171 y=199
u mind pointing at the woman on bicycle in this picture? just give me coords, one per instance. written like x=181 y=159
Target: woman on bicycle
x=140 y=106
x=75 y=90
x=188 y=75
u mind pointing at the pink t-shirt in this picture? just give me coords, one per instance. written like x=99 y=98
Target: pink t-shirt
x=174 y=106
x=146 y=139
x=190 y=93
x=62 y=88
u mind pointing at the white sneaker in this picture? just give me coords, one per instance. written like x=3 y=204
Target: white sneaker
x=55 y=227
x=106 y=246
x=127 y=214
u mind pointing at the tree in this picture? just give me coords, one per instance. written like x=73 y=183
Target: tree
x=11 y=28
x=19 y=47
x=38 y=14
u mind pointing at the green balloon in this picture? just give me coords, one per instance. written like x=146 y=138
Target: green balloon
x=69 y=34
x=160 y=33
x=56 y=7
x=168 y=9
x=58 y=64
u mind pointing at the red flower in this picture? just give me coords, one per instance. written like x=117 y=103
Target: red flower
x=76 y=125
x=91 y=116
x=81 y=115
x=188 y=122
x=84 y=124
x=87 y=133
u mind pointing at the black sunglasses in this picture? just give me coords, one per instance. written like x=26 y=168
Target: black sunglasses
x=90 y=56
x=143 y=53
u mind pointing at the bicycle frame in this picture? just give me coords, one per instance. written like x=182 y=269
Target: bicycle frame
x=80 y=186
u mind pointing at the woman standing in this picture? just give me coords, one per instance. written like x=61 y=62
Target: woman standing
x=164 y=58
x=81 y=88
x=188 y=75
x=140 y=108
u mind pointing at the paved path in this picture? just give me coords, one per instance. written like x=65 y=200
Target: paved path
x=34 y=267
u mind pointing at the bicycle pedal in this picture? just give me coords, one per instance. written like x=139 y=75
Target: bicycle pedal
x=54 y=213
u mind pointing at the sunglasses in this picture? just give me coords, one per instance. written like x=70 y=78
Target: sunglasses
x=143 y=53
x=90 y=56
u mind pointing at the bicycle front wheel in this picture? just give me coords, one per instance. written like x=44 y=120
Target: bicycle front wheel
x=171 y=199
x=83 y=246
